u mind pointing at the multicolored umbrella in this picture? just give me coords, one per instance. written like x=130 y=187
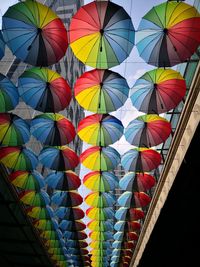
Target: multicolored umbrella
x=77 y=235
x=101 y=34
x=2 y=46
x=9 y=97
x=127 y=226
x=101 y=91
x=71 y=213
x=72 y=225
x=44 y=224
x=100 y=181
x=42 y=213
x=33 y=198
x=130 y=236
x=76 y=243
x=51 y=234
x=100 y=200
x=18 y=158
x=34 y=33
x=158 y=91
x=66 y=199
x=141 y=160
x=101 y=130
x=102 y=226
x=103 y=236
x=134 y=200
x=101 y=252
x=44 y=90
x=169 y=34
x=100 y=158
x=58 y=158
x=100 y=214
x=78 y=251
x=100 y=244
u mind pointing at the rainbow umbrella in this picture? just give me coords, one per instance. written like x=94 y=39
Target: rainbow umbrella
x=141 y=159
x=169 y=34
x=158 y=91
x=76 y=244
x=44 y=224
x=103 y=236
x=101 y=91
x=71 y=213
x=33 y=198
x=18 y=158
x=135 y=199
x=100 y=244
x=77 y=235
x=34 y=33
x=101 y=34
x=66 y=199
x=101 y=130
x=51 y=234
x=100 y=158
x=100 y=181
x=100 y=214
x=41 y=213
x=102 y=226
x=100 y=200
x=9 y=97
x=66 y=225
x=44 y=90
x=101 y=252
x=14 y=131
x=28 y=180
x=58 y=158
x=2 y=46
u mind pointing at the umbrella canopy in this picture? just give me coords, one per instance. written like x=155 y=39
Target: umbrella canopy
x=100 y=235
x=101 y=226
x=9 y=97
x=132 y=200
x=77 y=235
x=42 y=213
x=66 y=199
x=101 y=91
x=44 y=224
x=127 y=226
x=100 y=214
x=141 y=159
x=76 y=243
x=36 y=199
x=2 y=46
x=58 y=158
x=101 y=252
x=69 y=213
x=72 y=225
x=34 y=33
x=100 y=244
x=132 y=236
x=169 y=34
x=18 y=158
x=100 y=181
x=101 y=34
x=50 y=234
x=44 y=90
x=101 y=130
x=100 y=200
x=158 y=91
x=52 y=129
x=100 y=158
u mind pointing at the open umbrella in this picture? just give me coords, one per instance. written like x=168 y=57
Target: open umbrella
x=9 y=97
x=130 y=236
x=66 y=199
x=101 y=252
x=76 y=244
x=134 y=200
x=100 y=214
x=100 y=158
x=141 y=160
x=169 y=34
x=44 y=90
x=51 y=234
x=77 y=235
x=100 y=244
x=101 y=34
x=33 y=198
x=44 y=224
x=102 y=226
x=71 y=213
x=100 y=200
x=42 y=213
x=158 y=91
x=101 y=91
x=127 y=226
x=18 y=158
x=58 y=158
x=34 y=33
x=103 y=236
x=2 y=46
x=72 y=225
x=101 y=130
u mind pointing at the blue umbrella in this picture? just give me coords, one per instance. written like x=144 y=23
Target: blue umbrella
x=69 y=213
x=70 y=243
x=117 y=244
x=120 y=214
x=67 y=225
x=66 y=199
x=2 y=46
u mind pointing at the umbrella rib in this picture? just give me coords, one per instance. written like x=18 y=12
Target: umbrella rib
x=116 y=42
x=158 y=18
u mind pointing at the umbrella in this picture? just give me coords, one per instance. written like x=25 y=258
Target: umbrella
x=147 y=131
x=44 y=90
x=120 y=236
x=100 y=200
x=169 y=34
x=78 y=251
x=132 y=200
x=100 y=214
x=58 y=158
x=102 y=236
x=52 y=129
x=44 y=224
x=36 y=199
x=76 y=243
x=66 y=199
x=34 y=33
x=132 y=214
x=63 y=181
x=18 y=158
x=28 y=180
x=100 y=244
x=50 y=234
x=101 y=226
x=101 y=91
x=101 y=252
x=101 y=130
x=101 y=34
x=141 y=159
x=77 y=235
x=42 y=213
x=100 y=158
x=2 y=46
x=71 y=213
x=158 y=91
x=14 y=131
x=100 y=181
x=72 y=225
x=127 y=226
x=9 y=97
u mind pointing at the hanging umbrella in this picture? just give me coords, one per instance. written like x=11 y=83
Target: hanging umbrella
x=127 y=226
x=101 y=34
x=101 y=130
x=169 y=34
x=71 y=213
x=18 y=158
x=147 y=131
x=58 y=158
x=67 y=225
x=101 y=91
x=44 y=224
x=50 y=234
x=63 y=181
x=120 y=236
x=136 y=199
x=101 y=226
x=28 y=180
x=141 y=159
x=158 y=91
x=100 y=244
x=66 y=199
x=9 y=97
x=100 y=200
x=14 y=131
x=2 y=46
x=77 y=235
x=43 y=213
x=101 y=252
x=34 y=33
x=76 y=243
x=100 y=236
x=100 y=158
x=36 y=199
x=132 y=214
x=100 y=181
x=78 y=251
x=100 y=214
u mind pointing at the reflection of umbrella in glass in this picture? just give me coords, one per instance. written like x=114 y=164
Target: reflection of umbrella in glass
x=9 y=97
x=101 y=91
x=141 y=160
x=44 y=224
x=102 y=226
x=158 y=91
x=101 y=34
x=100 y=214
x=72 y=225
x=132 y=200
x=34 y=33
x=36 y=199
x=100 y=200
x=100 y=158
x=66 y=199
x=100 y=235
x=169 y=34
x=132 y=214
x=2 y=46
x=44 y=90
x=101 y=130
x=43 y=213
x=100 y=181
x=69 y=213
